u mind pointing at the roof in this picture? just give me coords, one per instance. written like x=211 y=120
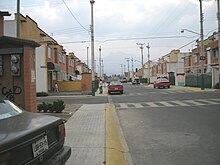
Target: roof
x=17 y=41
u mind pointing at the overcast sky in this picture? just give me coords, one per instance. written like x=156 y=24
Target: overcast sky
x=119 y=25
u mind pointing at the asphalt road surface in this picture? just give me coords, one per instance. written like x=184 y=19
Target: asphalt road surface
x=170 y=126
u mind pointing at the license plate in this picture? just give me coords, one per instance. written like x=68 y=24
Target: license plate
x=40 y=146
x=116 y=88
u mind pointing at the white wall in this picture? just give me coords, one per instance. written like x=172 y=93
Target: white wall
x=41 y=70
x=10 y=28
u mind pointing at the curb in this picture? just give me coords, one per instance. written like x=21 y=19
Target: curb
x=117 y=152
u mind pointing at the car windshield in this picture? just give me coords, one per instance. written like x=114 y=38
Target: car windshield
x=8 y=109
x=115 y=83
x=163 y=80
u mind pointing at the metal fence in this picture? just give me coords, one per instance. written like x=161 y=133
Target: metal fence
x=195 y=80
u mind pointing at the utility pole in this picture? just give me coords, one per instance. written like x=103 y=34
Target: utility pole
x=102 y=69
x=18 y=19
x=87 y=55
x=142 y=53
x=132 y=64
x=148 y=62
x=218 y=15
x=100 y=62
x=202 y=55
x=127 y=59
x=92 y=49
x=122 y=70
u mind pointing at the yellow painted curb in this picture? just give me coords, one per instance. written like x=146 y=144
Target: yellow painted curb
x=115 y=149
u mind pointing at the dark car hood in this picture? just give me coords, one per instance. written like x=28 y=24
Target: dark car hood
x=14 y=128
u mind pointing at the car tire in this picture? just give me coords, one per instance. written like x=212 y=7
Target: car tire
x=122 y=92
x=168 y=86
x=154 y=87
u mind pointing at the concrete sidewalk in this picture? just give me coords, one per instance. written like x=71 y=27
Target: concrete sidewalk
x=95 y=137
x=86 y=135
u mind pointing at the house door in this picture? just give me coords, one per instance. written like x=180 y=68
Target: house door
x=50 y=82
x=172 y=78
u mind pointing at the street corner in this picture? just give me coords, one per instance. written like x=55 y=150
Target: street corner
x=116 y=148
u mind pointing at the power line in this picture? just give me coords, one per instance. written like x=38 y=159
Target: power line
x=75 y=17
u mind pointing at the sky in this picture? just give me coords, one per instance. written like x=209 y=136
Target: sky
x=119 y=25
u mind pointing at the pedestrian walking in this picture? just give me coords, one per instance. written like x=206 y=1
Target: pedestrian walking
x=56 y=88
x=100 y=86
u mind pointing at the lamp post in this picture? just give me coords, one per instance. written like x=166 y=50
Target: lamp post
x=127 y=59
x=92 y=49
x=202 y=56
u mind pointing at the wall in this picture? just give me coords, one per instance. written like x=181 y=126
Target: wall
x=41 y=70
x=87 y=82
x=69 y=86
x=10 y=28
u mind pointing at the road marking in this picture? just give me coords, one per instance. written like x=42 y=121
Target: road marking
x=197 y=102
x=193 y=102
x=138 y=105
x=152 y=104
x=166 y=104
x=179 y=103
x=207 y=101
x=123 y=105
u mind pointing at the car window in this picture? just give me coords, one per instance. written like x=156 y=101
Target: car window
x=8 y=109
x=115 y=83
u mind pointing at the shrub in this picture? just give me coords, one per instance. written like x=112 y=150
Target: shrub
x=57 y=106
x=216 y=86
x=41 y=94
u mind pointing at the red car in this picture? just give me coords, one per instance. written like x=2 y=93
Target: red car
x=123 y=81
x=115 y=87
x=162 y=83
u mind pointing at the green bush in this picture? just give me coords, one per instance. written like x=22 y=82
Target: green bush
x=57 y=106
x=216 y=86
x=42 y=94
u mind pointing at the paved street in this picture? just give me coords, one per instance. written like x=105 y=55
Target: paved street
x=145 y=126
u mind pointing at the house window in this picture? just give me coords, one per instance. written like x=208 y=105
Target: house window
x=49 y=54
x=215 y=53
x=195 y=59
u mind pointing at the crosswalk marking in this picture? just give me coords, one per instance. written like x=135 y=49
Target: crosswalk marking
x=138 y=105
x=193 y=102
x=166 y=104
x=180 y=103
x=152 y=104
x=123 y=105
x=208 y=101
x=174 y=103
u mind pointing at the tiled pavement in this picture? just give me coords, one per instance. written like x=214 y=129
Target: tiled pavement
x=86 y=135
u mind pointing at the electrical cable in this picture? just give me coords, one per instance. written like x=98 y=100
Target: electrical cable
x=75 y=17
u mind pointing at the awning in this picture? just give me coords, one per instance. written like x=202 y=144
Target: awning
x=53 y=67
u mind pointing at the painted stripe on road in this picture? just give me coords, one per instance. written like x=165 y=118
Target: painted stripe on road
x=179 y=103
x=166 y=104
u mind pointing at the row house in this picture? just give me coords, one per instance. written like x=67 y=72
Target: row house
x=53 y=63
x=171 y=66
x=192 y=62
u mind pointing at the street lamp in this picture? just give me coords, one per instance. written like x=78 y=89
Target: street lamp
x=183 y=30
x=127 y=59
x=202 y=56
